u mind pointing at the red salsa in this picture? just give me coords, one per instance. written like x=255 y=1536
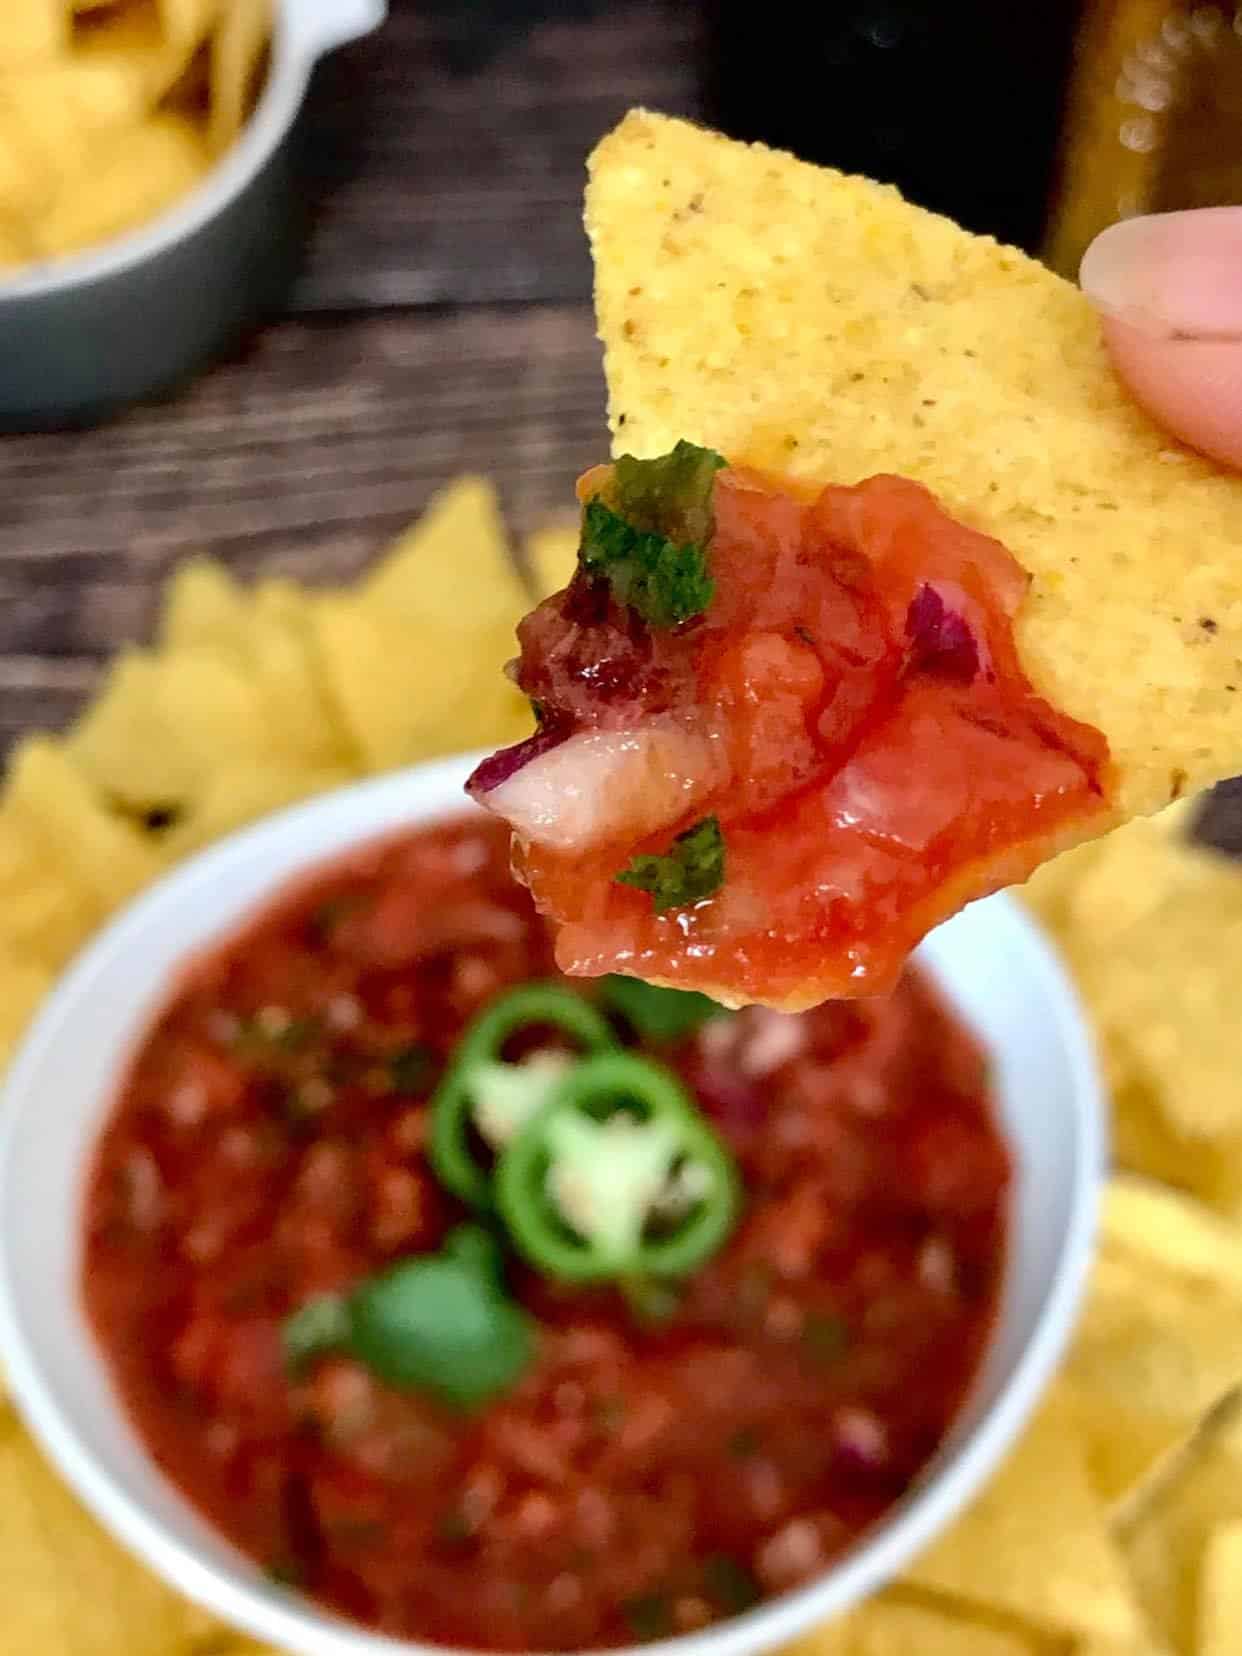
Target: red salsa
x=673 y=1449
x=780 y=738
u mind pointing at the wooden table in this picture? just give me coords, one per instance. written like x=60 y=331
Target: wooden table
x=442 y=323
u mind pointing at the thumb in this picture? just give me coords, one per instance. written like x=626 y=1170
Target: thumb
x=1169 y=291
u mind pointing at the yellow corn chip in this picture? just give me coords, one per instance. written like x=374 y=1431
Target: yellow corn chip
x=1167 y=1543
x=188 y=21
x=132 y=39
x=68 y=1589
x=1220 y=1593
x=1036 y=1543
x=818 y=326
x=552 y=557
x=31 y=30
x=896 y=1624
x=234 y=796
x=237 y=49
x=407 y=691
x=156 y=734
x=23 y=985
x=269 y=635
x=452 y=568
x=203 y=605
x=104 y=851
x=139 y=174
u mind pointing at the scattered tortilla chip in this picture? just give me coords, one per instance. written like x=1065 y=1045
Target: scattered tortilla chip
x=1220 y=1593
x=32 y=30
x=156 y=734
x=1166 y=1543
x=406 y=691
x=1036 y=1543
x=238 y=47
x=23 y=984
x=235 y=796
x=897 y=1623
x=415 y=659
x=203 y=606
x=818 y=326
x=552 y=557
x=104 y=851
x=68 y=1589
x=269 y=635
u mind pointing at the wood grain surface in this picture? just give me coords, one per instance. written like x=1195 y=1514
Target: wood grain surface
x=442 y=323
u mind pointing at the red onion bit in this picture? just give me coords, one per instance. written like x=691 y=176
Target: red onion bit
x=940 y=640
x=499 y=767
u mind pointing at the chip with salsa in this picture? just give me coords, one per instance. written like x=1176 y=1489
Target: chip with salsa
x=888 y=596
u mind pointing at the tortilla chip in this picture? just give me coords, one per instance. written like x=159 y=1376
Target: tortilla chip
x=23 y=984
x=1167 y=1543
x=268 y=634
x=234 y=796
x=69 y=1589
x=156 y=734
x=31 y=30
x=818 y=326
x=452 y=569
x=203 y=606
x=105 y=854
x=551 y=557
x=237 y=50
x=133 y=39
x=409 y=691
x=1220 y=1593
x=901 y=1624
x=144 y=171
x=1036 y=1544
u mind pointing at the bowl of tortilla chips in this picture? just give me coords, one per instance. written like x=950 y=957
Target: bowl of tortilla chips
x=148 y=211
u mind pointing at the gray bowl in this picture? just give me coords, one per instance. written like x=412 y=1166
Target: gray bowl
x=84 y=335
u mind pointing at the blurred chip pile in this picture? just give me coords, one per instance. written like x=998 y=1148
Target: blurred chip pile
x=1115 y=1526
x=112 y=110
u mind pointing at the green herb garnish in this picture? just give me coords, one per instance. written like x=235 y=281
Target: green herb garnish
x=692 y=868
x=440 y=1323
x=825 y=1338
x=650 y=543
x=658 y=1014
x=650 y=1615
x=730 y=1584
x=412 y=1068
x=285 y=1572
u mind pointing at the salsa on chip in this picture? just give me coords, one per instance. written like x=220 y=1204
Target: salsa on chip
x=888 y=597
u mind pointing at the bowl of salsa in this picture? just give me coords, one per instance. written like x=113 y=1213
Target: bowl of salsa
x=376 y=1283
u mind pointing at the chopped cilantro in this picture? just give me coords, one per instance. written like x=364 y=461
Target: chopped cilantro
x=285 y=1572
x=650 y=1301
x=650 y=1615
x=658 y=1014
x=730 y=1584
x=650 y=544
x=744 y=1443
x=315 y=1329
x=665 y=583
x=691 y=869
x=411 y=1068
x=825 y=1337
x=670 y=495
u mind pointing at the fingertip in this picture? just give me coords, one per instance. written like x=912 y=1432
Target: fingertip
x=1191 y=387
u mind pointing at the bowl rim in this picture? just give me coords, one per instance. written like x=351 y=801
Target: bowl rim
x=301 y=1626
x=304 y=30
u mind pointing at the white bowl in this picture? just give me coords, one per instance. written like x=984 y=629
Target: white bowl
x=991 y=962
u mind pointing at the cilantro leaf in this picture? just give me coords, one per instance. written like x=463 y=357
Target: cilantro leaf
x=655 y=1013
x=691 y=869
x=671 y=495
x=649 y=542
